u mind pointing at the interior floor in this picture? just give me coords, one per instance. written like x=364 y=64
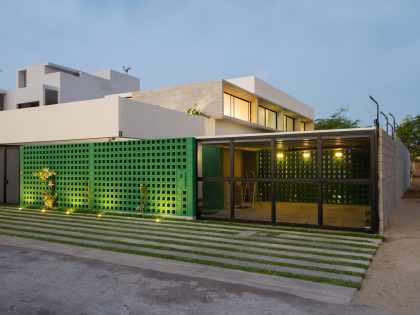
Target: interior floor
x=340 y=215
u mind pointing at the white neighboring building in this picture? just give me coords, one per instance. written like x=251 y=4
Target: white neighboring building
x=49 y=83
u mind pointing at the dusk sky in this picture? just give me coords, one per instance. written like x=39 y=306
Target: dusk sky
x=328 y=54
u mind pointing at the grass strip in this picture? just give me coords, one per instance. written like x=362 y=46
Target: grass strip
x=200 y=245
x=221 y=223
x=193 y=252
x=180 y=236
x=359 y=251
x=345 y=283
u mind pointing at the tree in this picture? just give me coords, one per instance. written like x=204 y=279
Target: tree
x=338 y=120
x=409 y=133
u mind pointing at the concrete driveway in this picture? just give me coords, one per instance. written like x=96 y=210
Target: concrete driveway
x=43 y=278
x=393 y=279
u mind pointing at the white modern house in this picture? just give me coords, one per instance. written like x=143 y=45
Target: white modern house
x=108 y=104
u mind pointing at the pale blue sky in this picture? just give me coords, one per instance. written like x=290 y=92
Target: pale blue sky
x=328 y=54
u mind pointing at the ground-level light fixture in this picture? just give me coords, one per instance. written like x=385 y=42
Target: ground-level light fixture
x=43 y=210
x=306 y=155
x=338 y=154
x=157 y=220
x=99 y=215
x=280 y=155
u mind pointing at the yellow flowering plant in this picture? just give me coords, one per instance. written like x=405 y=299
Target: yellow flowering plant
x=50 y=195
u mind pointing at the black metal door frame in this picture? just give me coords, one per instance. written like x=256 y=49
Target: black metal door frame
x=319 y=180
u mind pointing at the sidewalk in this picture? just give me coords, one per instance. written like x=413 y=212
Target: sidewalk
x=393 y=279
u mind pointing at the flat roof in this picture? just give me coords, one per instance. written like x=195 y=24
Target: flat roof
x=290 y=133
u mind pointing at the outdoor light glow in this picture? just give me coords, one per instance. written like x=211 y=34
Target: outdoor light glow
x=67 y=212
x=42 y=210
x=157 y=220
x=306 y=155
x=99 y=215
x=20 y=208
x=338 y=154
x=280 y=155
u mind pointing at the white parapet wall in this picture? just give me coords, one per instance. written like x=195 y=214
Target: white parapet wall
x=70 y=121
x=393 y=175
x=108 y=117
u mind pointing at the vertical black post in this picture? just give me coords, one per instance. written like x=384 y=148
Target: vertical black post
x=4 y=172
x=232 y=181
x=374 y=180
x=319 y=181
x=273 y=183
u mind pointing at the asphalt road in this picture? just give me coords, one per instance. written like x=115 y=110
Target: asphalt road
x=34 y=281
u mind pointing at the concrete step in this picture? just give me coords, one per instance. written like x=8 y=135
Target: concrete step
x=242 y=241
x=227 y=252
x=157 y=227
x=219 y=227
x=229 y=261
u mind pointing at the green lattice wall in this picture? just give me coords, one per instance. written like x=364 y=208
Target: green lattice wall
x=354 y=163
x=107 y=175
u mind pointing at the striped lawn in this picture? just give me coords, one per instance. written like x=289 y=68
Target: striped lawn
x=337 y=258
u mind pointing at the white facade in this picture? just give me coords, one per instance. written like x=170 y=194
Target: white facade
x=48 y=83
x=108 y=104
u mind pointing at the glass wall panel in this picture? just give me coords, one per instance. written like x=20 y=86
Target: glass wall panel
x=296 y=203
x=289 y=123
x=213 y=199
x=253 y=200
x=271 y=119
x=242 y=109
x=213 y=160
x=346 y=158
x=236 y=107
x=261 y=116
x=252 y=159
x=347 y=205
x=302 y=126
x=227 y=105
x=296 y=159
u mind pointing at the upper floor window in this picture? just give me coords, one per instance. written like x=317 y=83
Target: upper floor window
x=289 y=123
x=267 y=117
x=236 y=107
x=22 y=83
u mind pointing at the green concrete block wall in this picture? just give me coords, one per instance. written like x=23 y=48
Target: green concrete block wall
x=107 y=175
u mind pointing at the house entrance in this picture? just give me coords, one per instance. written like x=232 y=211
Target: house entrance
x=9 y=175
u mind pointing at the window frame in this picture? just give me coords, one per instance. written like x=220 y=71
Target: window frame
x=232 y=106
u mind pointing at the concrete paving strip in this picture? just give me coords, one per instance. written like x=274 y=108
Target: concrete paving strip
x=311 y=290
x=210 y=226
x=316 y=237
x=227 y=252
x=203 y=243
x=329 y=248
x=243 y=241
x=229 y=261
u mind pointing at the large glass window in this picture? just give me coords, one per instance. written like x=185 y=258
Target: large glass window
x=302 y=126
x=253 y=200
x=267 y=117
x=213 y=198
x=289 y=123
x=296 y=203
x=347 y=205
x=213 y=159
x=236 y=107
x=252 y=159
